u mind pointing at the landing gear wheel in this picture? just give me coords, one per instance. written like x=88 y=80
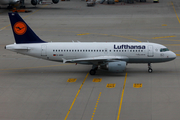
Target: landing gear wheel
x=150 y=70
x=92 y=72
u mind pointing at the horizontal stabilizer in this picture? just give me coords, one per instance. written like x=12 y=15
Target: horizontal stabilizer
x=10 y=47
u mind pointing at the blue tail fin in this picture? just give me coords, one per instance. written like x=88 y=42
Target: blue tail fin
x=22 y=32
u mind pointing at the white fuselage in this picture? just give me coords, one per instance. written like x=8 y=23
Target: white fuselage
x=7 y=2
x=132 y=52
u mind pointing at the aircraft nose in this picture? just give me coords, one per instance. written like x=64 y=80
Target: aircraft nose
x=173 y=55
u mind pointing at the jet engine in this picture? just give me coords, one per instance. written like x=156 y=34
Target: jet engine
x=34 y=2
x=119 y=66
x=55 y=1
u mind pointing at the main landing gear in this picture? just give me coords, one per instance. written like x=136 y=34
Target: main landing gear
x=150 y=70
x=93 y=70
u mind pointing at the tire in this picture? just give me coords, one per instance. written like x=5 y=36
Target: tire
x=92 y=72
x=150 y=70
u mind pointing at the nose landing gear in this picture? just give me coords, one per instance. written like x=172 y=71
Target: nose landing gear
x=150 y=70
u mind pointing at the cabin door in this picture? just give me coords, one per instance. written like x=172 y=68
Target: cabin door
x=150 y=51
x=43 y=50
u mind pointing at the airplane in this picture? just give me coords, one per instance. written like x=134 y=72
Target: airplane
x=111 y=56
x=9 y=2
x=13 y=2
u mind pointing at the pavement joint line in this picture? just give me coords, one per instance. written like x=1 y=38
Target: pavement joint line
x=119 y=112
x=76 y=97
x=96 y=106
x=35 y=67
x=175 y=11
x=23 y=18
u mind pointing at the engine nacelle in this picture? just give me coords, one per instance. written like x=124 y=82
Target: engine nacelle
x=119 y=66
x=55 y=1
x=34 y=2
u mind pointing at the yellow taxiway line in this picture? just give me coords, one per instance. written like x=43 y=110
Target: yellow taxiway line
x=23 y=18
x=175 y=11
x=119 y=112
x=96 y=106
x=76 y=97
x=163 y=37
x=35 y=67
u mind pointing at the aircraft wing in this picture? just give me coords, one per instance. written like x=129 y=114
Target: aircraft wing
x=99 y=58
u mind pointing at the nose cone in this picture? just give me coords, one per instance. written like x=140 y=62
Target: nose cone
x=173 y=55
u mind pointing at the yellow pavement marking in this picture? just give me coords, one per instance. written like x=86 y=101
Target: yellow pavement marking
x=172 y=44
x=119 y=112
x=127 y=38
x=163 y=37
x=175 y=11
x=152 y=38
x=176 y=50
x=76 y=96
x=137 y=85
x=84 y=34
x=36 y=67
x=72 y=80
x=110 y=85
x=177 y=54
x=111 y=35
x=97 y=79
x=164 y=25
x=96 y=106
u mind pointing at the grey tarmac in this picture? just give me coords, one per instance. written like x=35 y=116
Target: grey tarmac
x=35 y=89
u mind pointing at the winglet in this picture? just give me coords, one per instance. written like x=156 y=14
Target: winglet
x=22 y=32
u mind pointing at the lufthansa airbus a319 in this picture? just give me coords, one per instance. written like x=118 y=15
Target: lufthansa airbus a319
x=111 y=56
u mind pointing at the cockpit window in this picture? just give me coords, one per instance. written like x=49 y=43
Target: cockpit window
x=164 y=49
